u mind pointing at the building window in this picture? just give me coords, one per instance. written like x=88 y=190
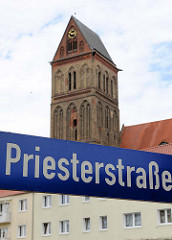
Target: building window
x=64 y=227
x=132 y=220
x=99 y=80
x=72 y=84
x=21 y=231
x=86 y=224
x=165 y=216
x=64 y=199
x=104 y=83
x=46 y=229
x=86 y=199
x=46 y=201
x=74 y=80
x=72 y=123
x=3 y=233
x=103 y=222
x=107 y=117
x=22 y=205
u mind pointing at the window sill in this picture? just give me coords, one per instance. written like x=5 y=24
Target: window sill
x=103 y=229
x=134 y=227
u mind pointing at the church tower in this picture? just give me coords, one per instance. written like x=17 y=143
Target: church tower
x=84 y=103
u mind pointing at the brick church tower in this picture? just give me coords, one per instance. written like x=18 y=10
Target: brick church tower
x=84 y=105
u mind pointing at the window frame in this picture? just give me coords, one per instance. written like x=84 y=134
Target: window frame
x=165 y=217
x=21 y=232
x=4 y=230
x=24 y=208
x=49 y=202
x=48 y=231
x=64 y=200
x=133 y=214
x=101 y=223
x=85 y=229
x=64 y=227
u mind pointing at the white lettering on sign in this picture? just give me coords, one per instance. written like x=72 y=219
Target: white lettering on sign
x=111 y=174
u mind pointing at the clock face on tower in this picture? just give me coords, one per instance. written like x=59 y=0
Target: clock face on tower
x=72 y=33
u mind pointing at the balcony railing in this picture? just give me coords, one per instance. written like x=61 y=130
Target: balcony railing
x=5 y=217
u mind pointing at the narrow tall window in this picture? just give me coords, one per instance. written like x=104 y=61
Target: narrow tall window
x=46 y=228
x=99 y=80
x=103 y=222
x=3 y=233
x=111 y=89
x=71 y=123
x=22 y=231
x=74 y=80
x=86 y=224
x=22 y=205
x=107 y=117
x=104 y=83
x=46 y=201
x=70 y=82
x=107 y=85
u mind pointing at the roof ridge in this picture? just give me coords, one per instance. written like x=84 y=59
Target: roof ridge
x=148 y=123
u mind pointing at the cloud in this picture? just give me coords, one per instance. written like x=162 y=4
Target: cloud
x=137 y=34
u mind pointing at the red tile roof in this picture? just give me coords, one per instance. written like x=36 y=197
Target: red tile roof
x=146 y=135
x=165 y=149
x=5 y=193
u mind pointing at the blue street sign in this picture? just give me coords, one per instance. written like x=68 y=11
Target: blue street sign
x=38 y=164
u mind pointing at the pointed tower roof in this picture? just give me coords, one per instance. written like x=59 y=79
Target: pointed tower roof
x=92 y=39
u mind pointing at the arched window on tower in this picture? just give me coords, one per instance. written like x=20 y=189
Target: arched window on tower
x=58 y=123
x=72 y=44
x=72 y=81
x=111 y=89
x=107 y=118
x=115 y=121
x=71 y=123
x=115 y=88
x=103 y=83
x=99 y=115
x=107 y=82
x=85 y=121
x=99 y=80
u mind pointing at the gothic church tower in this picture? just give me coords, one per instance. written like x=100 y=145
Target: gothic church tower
x=84 y=105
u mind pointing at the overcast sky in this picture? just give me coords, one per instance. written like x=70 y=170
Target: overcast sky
x=136 y=33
